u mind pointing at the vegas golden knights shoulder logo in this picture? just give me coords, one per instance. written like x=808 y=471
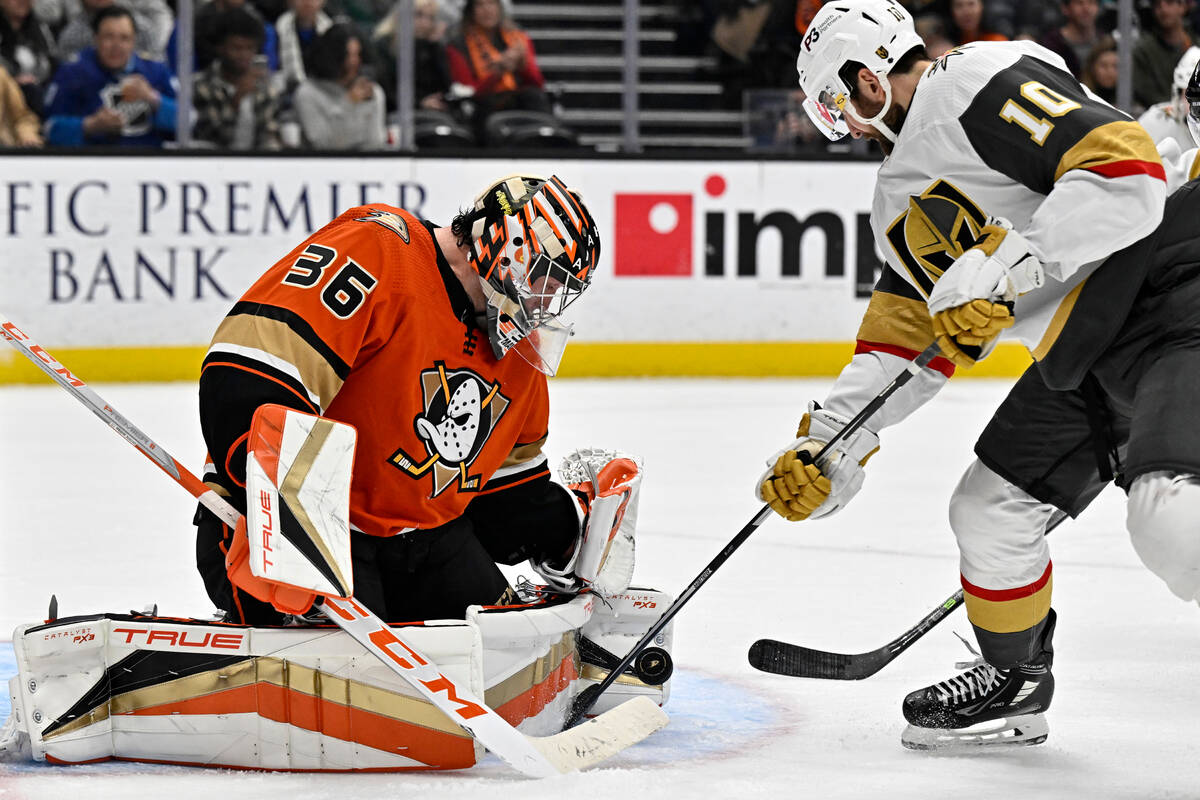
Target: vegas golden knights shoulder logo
x=935 y=229
x=461 y=411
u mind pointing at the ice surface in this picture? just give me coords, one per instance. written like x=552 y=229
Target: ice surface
x=85 y=516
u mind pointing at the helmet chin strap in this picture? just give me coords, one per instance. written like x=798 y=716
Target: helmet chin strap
x=877 y=120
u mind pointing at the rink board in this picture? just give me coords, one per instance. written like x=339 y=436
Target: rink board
x=124 y=266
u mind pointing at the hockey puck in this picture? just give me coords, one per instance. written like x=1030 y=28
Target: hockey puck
x=653 y=666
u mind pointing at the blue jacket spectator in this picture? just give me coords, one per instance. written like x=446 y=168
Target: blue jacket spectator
x=109 y=95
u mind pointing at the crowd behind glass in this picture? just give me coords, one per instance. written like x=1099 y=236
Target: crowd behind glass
x=321 y=74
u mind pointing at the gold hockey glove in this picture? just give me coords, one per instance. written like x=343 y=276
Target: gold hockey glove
x=972 y=301
x=797 y=488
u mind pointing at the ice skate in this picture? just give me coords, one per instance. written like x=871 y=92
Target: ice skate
x=981 y=707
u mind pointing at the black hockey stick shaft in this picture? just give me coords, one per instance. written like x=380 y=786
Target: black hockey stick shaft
x=783 y=658
x=584 y=702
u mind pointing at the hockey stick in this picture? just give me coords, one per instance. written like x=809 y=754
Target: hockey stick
x=782 y=658
x=587 y=698
x=533 y=756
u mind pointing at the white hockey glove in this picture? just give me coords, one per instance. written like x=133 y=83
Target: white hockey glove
x=972 y=302
x=796 y=488
x=607 y=485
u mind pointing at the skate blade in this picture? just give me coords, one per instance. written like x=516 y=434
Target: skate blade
x=1019 y=731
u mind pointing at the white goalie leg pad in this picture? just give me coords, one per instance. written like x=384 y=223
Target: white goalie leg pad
x=210 y=694
x=617 y=624
x=608 y=486
x=14 y=739
x=529 y=664
x=1161 y=517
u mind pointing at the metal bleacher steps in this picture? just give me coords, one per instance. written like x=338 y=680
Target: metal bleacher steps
x=580 y=50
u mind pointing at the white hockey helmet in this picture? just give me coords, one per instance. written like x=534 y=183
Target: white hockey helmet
x=1191 y=98
x=874 y=33
x=1184 y=69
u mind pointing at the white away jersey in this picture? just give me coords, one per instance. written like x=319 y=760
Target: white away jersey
x=1002 y=129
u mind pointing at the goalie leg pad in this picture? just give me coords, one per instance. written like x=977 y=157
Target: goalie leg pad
x=617 y=624
x=206 y=694
x=608 y=487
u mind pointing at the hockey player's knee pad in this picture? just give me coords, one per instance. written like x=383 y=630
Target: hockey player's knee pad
x=999 y=526
x=1161 y=517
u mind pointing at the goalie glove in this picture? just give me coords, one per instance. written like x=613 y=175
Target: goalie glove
x=607 y=486
x=972 y=302
x=797 y=488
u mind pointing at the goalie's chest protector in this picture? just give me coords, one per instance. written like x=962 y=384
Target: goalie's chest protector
x=436 y=412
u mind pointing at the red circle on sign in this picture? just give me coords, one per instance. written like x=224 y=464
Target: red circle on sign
x=715 y=185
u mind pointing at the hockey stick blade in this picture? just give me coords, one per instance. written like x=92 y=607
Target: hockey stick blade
x=782 y=658
x=533 y=756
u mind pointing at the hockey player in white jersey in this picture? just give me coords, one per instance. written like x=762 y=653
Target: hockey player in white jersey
x=1182 y=161
x=1168 y=119
x=1012 y=202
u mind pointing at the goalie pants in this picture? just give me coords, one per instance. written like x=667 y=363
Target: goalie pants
x=1049 y=452
x=424 y=574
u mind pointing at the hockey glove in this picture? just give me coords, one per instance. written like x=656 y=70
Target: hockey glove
x=972 y=302
x=796 y=487
x=607 y=486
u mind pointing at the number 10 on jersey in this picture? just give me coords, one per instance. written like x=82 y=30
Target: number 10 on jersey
x=1046 y=99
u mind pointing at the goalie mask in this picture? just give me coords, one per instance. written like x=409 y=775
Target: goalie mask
x=535 y=248
x=873 y=33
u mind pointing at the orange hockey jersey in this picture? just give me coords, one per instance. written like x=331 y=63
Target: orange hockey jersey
x=365 y=323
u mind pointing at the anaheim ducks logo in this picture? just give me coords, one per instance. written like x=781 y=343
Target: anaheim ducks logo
x=934 y=230
x=461 y=411
x=393 y=222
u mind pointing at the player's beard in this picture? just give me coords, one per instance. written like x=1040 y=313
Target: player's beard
x=894 y=119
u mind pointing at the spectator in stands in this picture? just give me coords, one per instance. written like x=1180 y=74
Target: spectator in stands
x=431 y=69
x=339 y=106
x=1158 y=50
x=1100 y=70
x=236 y=106
x=495 y=58
x=1169 y=119
x=298 y=28
x=932 y=30
x=26 y=50
x=1032 y=19
x=967 y=23
x=1078 y=34
x=152 y=17
x=109 y=94
x=207 y=34
x=19 y=126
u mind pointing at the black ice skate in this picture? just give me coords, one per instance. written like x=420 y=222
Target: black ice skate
x=983 y=706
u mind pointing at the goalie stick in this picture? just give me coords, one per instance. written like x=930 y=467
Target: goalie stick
x=782 y=658
x=587 y=698
x=534 y=756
